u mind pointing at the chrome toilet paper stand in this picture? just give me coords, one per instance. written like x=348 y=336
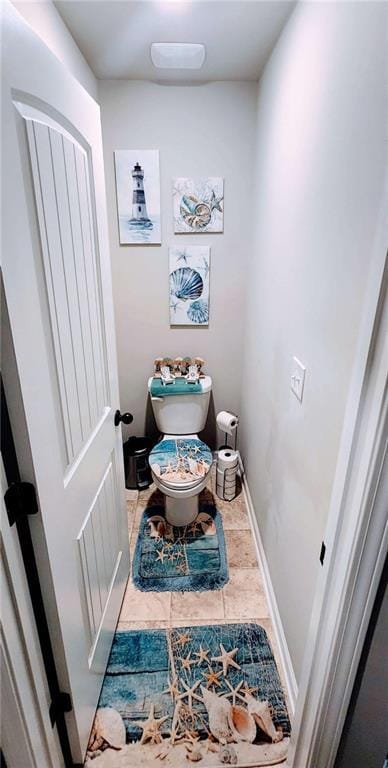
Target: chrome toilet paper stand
x=224 y=447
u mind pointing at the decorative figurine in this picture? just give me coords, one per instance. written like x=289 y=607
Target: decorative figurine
x=178 y=366
x=157 y=364
x=200 y=362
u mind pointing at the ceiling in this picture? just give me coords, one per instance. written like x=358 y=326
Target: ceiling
x=115 y=35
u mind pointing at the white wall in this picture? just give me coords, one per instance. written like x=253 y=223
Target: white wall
x=319 y=168
x=45 y=20
x=205 y=130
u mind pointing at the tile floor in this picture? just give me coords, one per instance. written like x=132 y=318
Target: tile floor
x=242 y=599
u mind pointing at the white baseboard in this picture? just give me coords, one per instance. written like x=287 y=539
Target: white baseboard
x=284 y=653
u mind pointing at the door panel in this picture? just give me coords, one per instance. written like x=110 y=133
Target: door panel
x=57 y=283
x=62 y=196
x=99 y=554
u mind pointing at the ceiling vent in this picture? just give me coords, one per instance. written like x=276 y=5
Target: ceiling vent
x=178 y=55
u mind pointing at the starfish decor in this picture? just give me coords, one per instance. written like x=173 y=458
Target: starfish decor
x=183 y=638
x=248 y=690
x=226 y=659
x=202 y=655
x=234 y=692
x=151 y=727
x=187 y=663
x=190 y=694
x=212 y=678
x=194 y=527
x=172 y=688
x=160 y=555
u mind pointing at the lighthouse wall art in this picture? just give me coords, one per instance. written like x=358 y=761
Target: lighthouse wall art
x=198 y=205
x=138 y=196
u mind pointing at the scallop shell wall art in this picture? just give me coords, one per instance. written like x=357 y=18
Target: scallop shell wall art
x=189 y=270
x=198 y=312
x=198 y=205
x=186 y=283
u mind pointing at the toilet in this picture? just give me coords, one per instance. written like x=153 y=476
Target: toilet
x=180 y=462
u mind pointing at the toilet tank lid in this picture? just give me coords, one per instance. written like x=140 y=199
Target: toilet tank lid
x=206 y=385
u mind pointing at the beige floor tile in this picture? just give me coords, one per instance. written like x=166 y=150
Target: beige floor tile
x=240 y=549
x=132 y=545
x=244 y=595
x=195 y=622
x=148 y=492
x=131 y=513
x=234 y=515
x=138 y=515
x=126 y=625
x=131 y=495
x=197 y=605
x=145 y=606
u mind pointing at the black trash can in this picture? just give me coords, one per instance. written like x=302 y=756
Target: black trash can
x=137 y=468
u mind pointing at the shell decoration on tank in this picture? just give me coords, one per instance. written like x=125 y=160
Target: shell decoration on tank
x=186 y=283
x=196 y=213
x=198 y=312
x=108 y=730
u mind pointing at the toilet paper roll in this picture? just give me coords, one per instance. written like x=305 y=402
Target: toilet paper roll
x=225 y=495
x=227 y=422
x=226 y=477
x=227 y=459
x=227 y=485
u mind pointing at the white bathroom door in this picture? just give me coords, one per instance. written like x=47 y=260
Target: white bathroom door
x=57 y=280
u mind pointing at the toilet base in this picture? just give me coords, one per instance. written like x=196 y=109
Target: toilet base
x=181 y=512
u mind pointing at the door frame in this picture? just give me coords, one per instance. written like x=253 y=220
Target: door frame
x=28 y=738
x=356 y=535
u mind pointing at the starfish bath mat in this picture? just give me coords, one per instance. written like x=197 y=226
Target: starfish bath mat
x=206 y=694
x=191 y=558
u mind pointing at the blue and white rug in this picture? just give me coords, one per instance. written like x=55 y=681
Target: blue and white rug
x=205 y=693
x=191 y=558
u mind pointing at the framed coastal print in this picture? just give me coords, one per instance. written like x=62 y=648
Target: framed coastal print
x=189 y=270
x=198 y=205
x=138 y=196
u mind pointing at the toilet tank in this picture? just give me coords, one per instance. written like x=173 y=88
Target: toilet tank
x=182 y=414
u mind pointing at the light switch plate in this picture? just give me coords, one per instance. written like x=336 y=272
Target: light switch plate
x=298 y=375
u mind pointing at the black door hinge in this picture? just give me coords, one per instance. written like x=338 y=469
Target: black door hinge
x=60 y=705
x=20 y=501
x=323 y=553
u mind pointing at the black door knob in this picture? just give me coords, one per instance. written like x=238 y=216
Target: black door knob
x=126 y=418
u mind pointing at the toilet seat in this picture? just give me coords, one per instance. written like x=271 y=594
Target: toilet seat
x=180 y=463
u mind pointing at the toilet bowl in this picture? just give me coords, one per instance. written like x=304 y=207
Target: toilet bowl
x=180 y=463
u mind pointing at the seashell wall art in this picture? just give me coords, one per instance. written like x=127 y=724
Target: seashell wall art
x=189 y=285
x=198 y=205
